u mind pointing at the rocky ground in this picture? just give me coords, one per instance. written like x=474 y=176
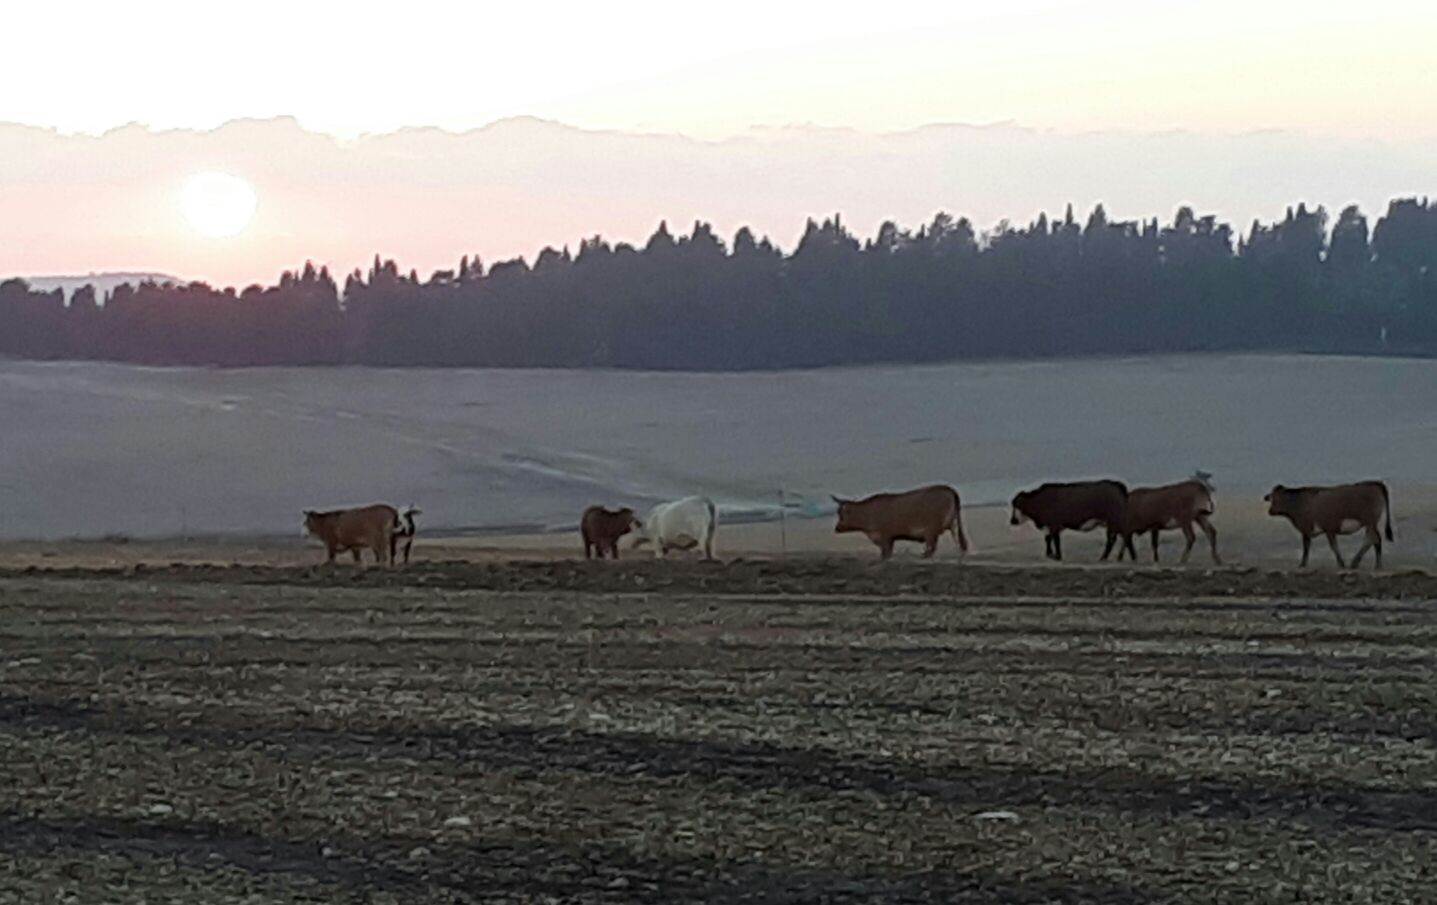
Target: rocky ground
x=811 y=730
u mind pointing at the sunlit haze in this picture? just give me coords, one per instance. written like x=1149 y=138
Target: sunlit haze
x=744 y=96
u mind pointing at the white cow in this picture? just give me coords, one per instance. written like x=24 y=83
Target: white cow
x=680 y=525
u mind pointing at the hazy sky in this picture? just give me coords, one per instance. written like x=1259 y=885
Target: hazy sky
x=1360 y=72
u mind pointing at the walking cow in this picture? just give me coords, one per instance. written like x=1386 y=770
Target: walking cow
x=1151 y=510
x=1341 y=509
x=921 y=515
x=1079 y=506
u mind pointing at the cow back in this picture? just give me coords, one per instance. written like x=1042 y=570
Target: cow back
x=1078 y=504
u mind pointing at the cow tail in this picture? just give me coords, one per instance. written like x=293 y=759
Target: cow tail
x=958 y=534
x=1387 y=506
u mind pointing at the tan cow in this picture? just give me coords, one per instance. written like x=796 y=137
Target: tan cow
x=1341 y=509
x=367 y=527
x=601 y=529
x=1151 y=510
x=917 y=515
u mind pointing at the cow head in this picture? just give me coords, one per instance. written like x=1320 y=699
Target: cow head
x=1018 y=514
x=1279 y=501
x=845 y=516
x=641 y=534
x=630 y=519
x=311 y=523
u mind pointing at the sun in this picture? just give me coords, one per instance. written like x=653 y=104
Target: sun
x=218 y=205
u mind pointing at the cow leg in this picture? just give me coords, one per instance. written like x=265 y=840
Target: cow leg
x=1057 y=546
x=332 y=552
x=1371 y=541
x=1306 y=549
x=589 y=551
x=1108 y=548
x=354 y=551
x=930 y=544
x=1132 y=553
x=885 y=548
x=408 y=545
x=1332 y=542
x=1211 y=532
x=1048 y=546
x=1190 y=537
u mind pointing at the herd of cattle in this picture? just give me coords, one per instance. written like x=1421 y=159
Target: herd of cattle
x=926 y=514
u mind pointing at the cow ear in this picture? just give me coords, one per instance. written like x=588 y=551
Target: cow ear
x=838 y=500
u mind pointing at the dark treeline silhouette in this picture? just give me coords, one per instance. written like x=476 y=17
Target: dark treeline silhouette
x=1059 y=287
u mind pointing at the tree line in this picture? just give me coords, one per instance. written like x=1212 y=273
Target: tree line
x=944 y=291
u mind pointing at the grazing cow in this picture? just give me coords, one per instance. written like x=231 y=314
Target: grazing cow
x=601 y=529
x=1341 y=509
x=1181 y=505
x=680 y=525
x=406 y=531
x=917 y=515
x=372 y=527
x=1080 y=506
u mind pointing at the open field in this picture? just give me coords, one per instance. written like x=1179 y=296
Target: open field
x=813 y=730
x=97 y=450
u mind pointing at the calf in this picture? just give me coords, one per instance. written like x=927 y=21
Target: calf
x=1341 y=509
x=1151 y=510
x=680 y=525
x=918 y=515
x=601 y=529
x=366 y=527
x=406 y=531
x=1080 y=506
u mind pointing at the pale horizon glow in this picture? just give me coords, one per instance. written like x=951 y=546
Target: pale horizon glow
x=740 y=105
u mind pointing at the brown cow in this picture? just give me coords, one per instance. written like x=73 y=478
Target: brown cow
x=602 y=528
x=1080 y=506
x=372 y=527
x=916 y=515
x=1341 y=509
x=1181 y=505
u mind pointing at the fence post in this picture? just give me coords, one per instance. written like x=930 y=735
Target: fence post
x=782 y=525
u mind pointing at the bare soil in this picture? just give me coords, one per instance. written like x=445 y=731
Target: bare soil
x=813 y=730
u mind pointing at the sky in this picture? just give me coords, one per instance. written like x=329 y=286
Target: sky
x=769 y=78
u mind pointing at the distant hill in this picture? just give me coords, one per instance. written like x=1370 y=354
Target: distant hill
x=103 y=282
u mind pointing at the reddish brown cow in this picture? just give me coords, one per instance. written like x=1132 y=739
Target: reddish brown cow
x=602 y=528
x=1151 y=510
x=1342 y=509
x=918 y=515
x=1080 y=506
x=366 y=527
